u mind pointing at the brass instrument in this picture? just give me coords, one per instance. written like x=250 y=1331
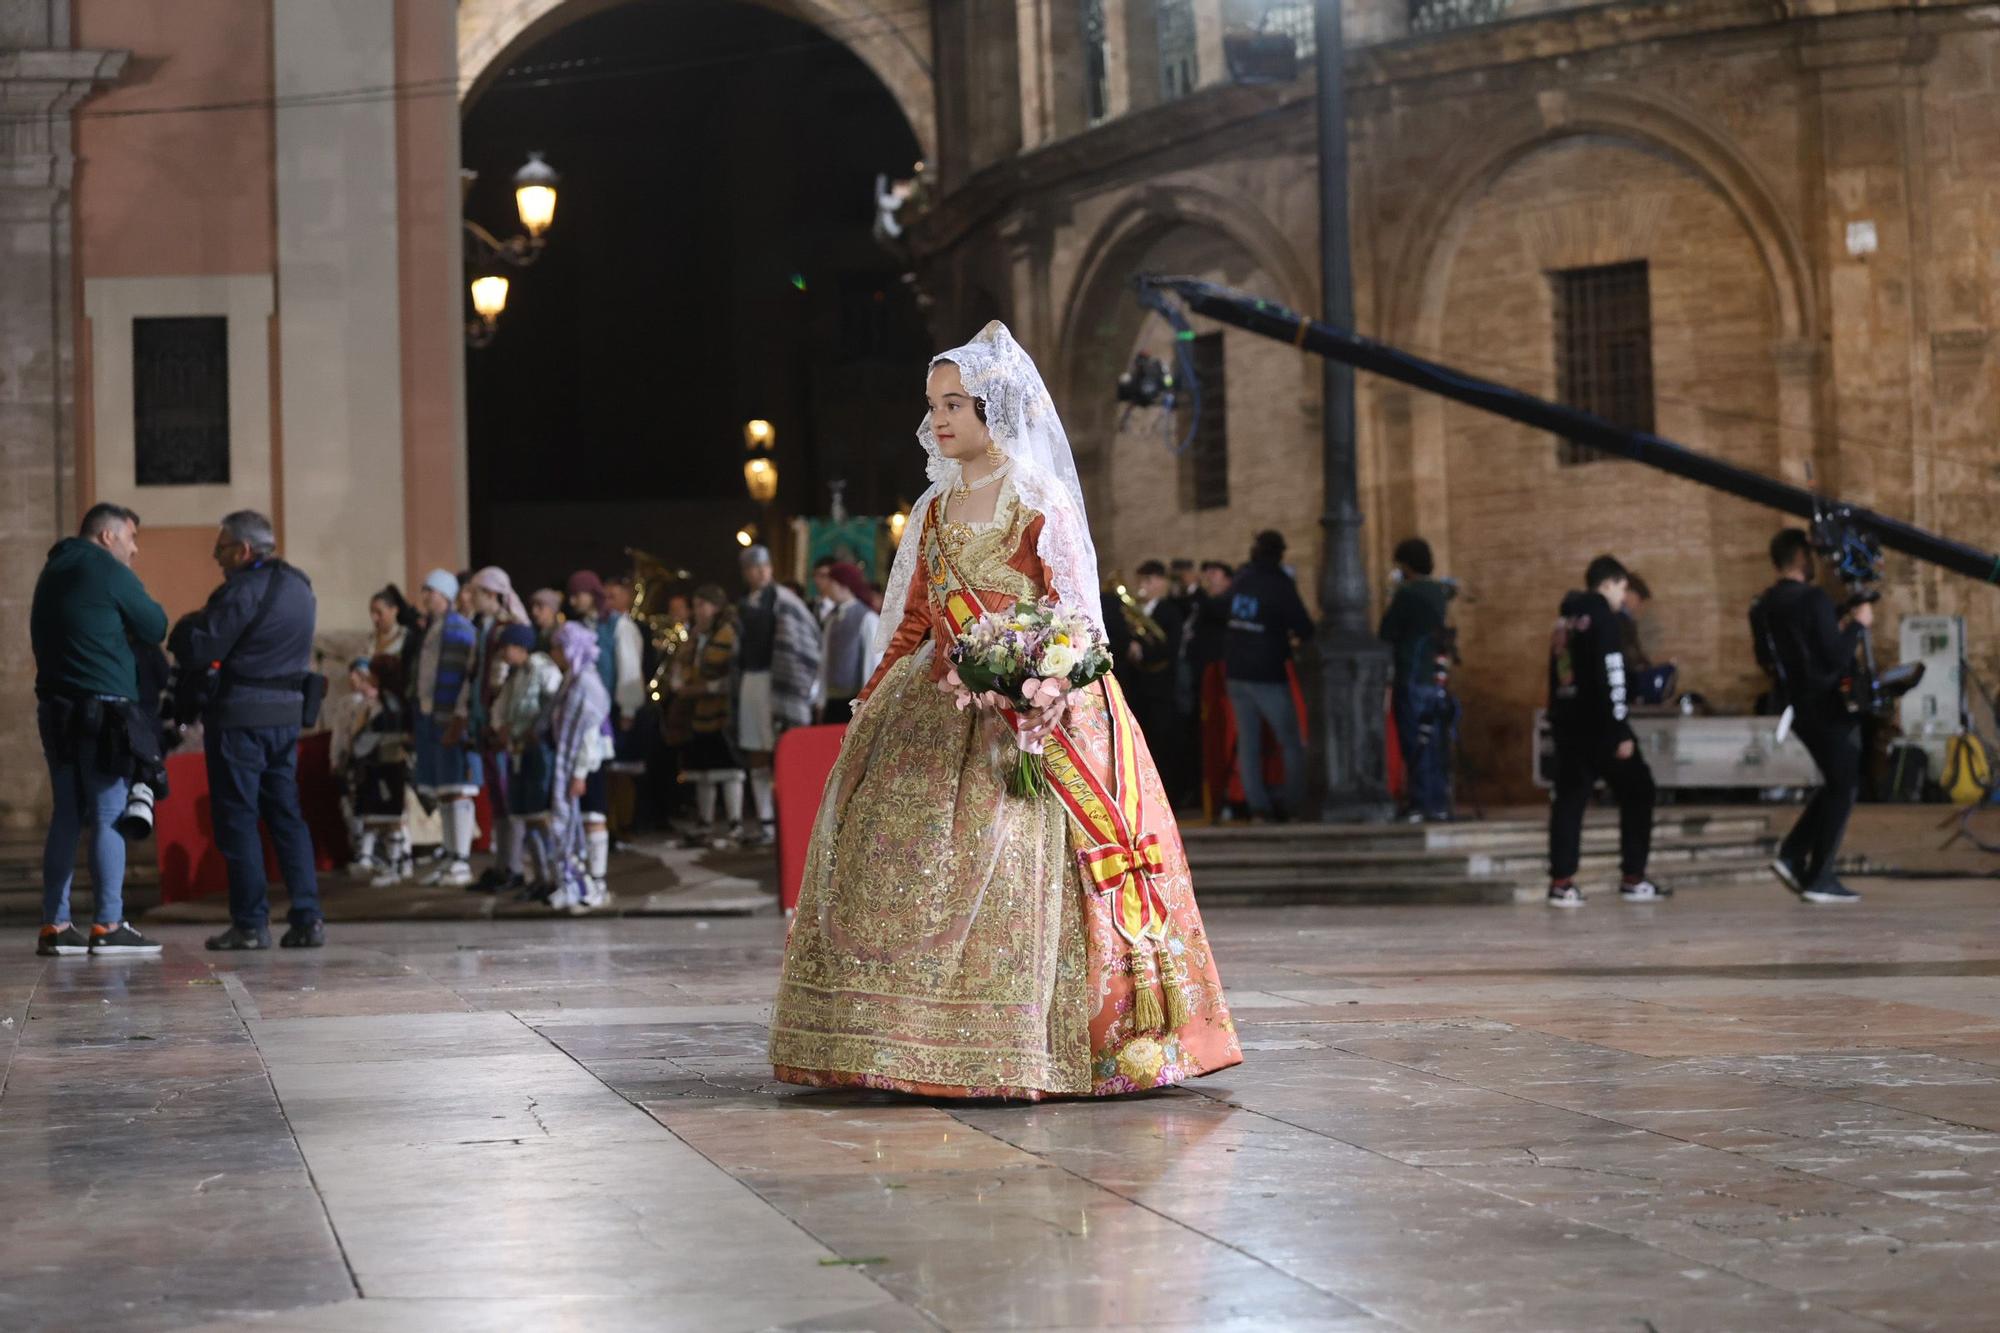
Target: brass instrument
x=653 y=581
x=1143 y=627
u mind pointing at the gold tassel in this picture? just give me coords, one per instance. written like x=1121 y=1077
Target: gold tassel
x=1173 y=980
x=1147 y=1016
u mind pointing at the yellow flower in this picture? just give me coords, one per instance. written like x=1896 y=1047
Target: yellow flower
x=1141 y=1060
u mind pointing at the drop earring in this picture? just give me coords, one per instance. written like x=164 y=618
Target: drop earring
x=994 y=453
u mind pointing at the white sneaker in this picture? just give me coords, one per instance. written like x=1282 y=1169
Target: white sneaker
x=562 y=900
x=391 y=874
x=363 y=867
x=1565 y=896
x=1645 y=891
x=455 y=875
x=595 y=895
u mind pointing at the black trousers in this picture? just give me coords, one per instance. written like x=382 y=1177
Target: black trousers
x=1580 y=762
x=1814 y=842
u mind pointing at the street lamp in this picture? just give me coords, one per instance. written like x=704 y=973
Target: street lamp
x=760 y=471
x=761 y=476
x=535 y=200
x=489 y=298
x=535 y=195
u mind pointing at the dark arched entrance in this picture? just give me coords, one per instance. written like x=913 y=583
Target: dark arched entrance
x=711 y=262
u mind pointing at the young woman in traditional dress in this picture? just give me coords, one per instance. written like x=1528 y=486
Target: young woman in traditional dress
x=952 y=939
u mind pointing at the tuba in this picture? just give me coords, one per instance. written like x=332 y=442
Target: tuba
x=653 y=580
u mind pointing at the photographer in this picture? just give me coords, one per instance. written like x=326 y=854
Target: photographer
x=254 y=637
x=1810 y=650
x=89 y=610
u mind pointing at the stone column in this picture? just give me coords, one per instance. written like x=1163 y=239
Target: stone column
x=41 y=82
x=1050 y=39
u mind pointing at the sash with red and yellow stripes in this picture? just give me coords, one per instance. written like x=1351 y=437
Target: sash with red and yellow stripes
x=1119 y=858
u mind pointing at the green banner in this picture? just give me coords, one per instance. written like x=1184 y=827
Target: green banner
x=859 y=540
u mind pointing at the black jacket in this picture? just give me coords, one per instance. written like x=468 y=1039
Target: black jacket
x=261 y=668
x=1813 y=652
x=1265 y=612
x=1410 y=627
x=1153 y=676
x=1587 y=671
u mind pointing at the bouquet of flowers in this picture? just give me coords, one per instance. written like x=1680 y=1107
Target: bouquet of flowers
x=1026 y=659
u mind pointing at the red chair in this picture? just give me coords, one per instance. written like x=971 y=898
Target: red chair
x=799 y=770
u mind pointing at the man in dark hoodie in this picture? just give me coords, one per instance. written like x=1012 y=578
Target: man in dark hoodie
x=1265 y=615
x=89 y=608
x=1413 y=627
x=1593 y=739
x=1812 y=648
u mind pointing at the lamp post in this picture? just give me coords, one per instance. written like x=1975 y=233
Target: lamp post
x=1354 y=664
x=535 y=201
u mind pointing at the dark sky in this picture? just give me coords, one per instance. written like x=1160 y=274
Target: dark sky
x=711 y=152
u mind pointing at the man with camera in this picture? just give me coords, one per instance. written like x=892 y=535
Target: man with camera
x=1809 y=649
x=252 y=660
x=89 y=610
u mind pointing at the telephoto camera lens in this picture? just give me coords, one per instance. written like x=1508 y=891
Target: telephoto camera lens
x=136 y=824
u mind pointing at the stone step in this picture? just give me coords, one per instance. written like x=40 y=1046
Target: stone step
x=1300 y=885
x=1469 y=861
x=1710 y=874
x=1470 y=835
x=1233 y=889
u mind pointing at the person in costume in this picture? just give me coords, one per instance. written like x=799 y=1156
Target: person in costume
x=495 y=606
x=448 y=766
x=699 y=717
x=532 y=684
x=952 y=939
x=579 y=738
x=394 y=639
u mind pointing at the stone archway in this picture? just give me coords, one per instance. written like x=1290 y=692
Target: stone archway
x=1571 y=182
x=892 y=40
x=1132 y=484
x=1414 y=292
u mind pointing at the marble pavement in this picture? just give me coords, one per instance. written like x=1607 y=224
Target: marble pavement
x=1729 y=1112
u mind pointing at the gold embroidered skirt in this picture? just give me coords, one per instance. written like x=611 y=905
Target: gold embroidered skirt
x=945 y=943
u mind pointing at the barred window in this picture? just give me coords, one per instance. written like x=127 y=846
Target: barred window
x=1096 y=65
x=1440 y=15
x=1293 y=18
x=1177 y=49
x=1204 y=466
x=180 y=401
x=1604 y=348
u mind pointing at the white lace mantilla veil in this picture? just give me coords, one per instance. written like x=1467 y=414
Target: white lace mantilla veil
x=1023 y=420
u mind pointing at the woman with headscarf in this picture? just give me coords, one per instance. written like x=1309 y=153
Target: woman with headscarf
x=847 y=641
x=579 y=738
x=495 y=606
x=954 y=939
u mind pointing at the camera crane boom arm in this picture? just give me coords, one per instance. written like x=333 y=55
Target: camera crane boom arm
x=1272 y=320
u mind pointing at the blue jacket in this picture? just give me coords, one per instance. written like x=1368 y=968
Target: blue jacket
x=256 y=664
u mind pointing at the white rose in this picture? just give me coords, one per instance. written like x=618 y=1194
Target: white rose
x=1059 y=659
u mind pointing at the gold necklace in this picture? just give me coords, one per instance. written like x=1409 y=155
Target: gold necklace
x=965 y=488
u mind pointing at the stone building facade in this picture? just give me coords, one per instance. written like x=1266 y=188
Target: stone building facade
x=1809 y=184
